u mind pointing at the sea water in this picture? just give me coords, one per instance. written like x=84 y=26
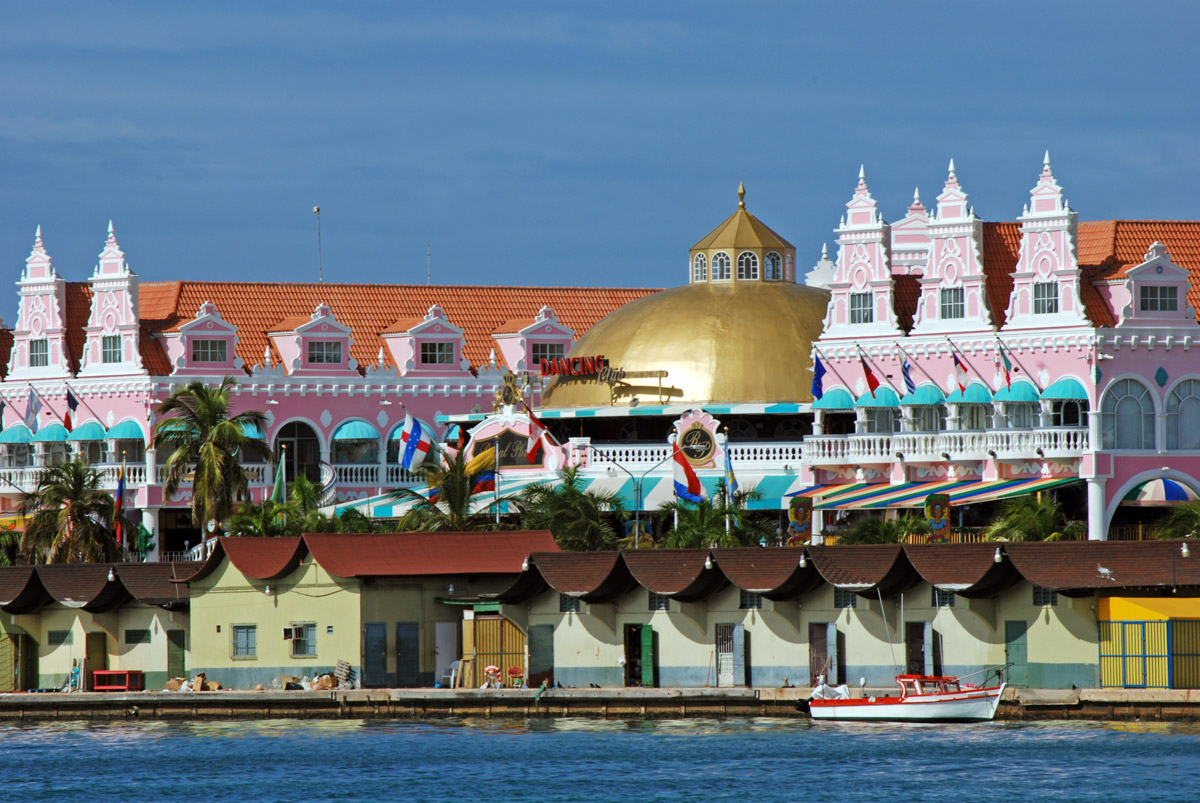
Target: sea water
x=755 y=760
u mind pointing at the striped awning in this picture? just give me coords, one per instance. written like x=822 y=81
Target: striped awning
x=912 y=494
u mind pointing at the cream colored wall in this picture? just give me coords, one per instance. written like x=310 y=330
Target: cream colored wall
x=310 y=594
x=413 y=600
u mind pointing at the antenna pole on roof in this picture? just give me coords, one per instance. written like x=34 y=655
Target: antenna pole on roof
x=428 y=264
x=320 y=264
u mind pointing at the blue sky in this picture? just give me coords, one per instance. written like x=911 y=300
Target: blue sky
x=562 y=143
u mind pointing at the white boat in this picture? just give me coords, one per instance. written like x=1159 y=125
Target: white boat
x=922 y=698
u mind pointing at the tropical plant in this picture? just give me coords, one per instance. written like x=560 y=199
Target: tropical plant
x=10 y=544
x=450 y=485
x=266 y=519
x=580 y=520
x=69 y=519
x=718 y=522
x=878 y=530
x=203 y=442
x=1034 y=518
x=1183 y=521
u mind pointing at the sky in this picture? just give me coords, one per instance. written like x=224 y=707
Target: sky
x=562 y=143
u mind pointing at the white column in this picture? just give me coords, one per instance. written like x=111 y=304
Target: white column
x=1097 y=520
x=151 y=467
x=818 y=422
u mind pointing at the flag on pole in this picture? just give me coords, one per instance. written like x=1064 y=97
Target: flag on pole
x=818 y=383
x=1007 y=365
x=485 y=481
x=31 y=411
x=72 y=406
x=872 y=382
x=279 y=492
x=687 y=484
x=485 y=459
x=731 y=485
x=909 y=384
x=416 y=437
x=960 y=374
x=120 y=500
x=536 y=431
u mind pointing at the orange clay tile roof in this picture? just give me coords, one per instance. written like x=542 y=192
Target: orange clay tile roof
x=258 y=308
x=513 y=326
x=1001 y=247
x=400 y=327
x=1114 y=246
x=286 y=325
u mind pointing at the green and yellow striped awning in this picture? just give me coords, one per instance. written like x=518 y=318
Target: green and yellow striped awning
x=912 y=494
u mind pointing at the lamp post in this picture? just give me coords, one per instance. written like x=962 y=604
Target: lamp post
x=637 y=489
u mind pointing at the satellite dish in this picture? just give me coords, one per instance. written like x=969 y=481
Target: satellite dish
x=211 y=526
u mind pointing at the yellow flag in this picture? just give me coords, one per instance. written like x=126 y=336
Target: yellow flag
x=481 y=462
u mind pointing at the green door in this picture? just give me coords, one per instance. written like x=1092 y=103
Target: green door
x=541 y=655
x=176 y=654
x=647 y=655
x=1016 y=652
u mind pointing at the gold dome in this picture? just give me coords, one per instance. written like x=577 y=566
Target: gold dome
x=730 y=343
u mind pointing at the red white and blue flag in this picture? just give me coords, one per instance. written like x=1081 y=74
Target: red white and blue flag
x=537 y=431
x=120 y=500
x=484 y=481
x=72 y=406
x=416 y=438
x=687 y=484
x=960 y=374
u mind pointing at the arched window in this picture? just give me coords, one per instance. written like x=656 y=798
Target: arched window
x=928 y=418
x=1021 y=415
x=700 y=269
x=1183 y=416
x=1127 y=416
x=747 y=265
x=774 y=269
x=739 y=429
x=720 y=267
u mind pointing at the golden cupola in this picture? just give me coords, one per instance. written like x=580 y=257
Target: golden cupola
x=743 y=334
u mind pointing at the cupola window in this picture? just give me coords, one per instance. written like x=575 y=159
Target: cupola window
x=700 y=269
x=773 y=271
x=1045 y=298
x=953 y=305
x=721 y=267
x=1157 y=298
x=860 y=308
x=747 y=265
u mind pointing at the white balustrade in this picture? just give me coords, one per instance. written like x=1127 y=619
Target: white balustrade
x=356 y=473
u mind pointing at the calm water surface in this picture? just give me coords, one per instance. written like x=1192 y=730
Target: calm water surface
x=585 y=760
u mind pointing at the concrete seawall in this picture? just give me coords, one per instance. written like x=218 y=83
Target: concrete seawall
x=1017 y=705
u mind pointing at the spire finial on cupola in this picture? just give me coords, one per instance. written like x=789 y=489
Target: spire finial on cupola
x=916 y=195
x=824 y=250
x=111 y=235
x=741 y=195
x=37 y=235
x=952 y=173
x=1046 y=160
x=267 y=357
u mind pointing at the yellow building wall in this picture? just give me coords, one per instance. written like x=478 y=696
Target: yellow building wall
x=1148 y=609
x=392 y=601
x=226 y=598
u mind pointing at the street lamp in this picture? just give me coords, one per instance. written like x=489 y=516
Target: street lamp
x=637 y=488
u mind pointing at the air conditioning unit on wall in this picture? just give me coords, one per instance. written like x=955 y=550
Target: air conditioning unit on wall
x=289 y=633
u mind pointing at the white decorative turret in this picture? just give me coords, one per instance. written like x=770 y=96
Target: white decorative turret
x=111 y=348
x=39 y=339
x=910 y=239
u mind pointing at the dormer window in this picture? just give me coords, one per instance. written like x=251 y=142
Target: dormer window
x=39 y=353
x=209 y=351
x=325 y=352
x=953 y=305
x=437 y=353
x=700 y=269
x=774 y=268
x=1045 y=298
x=547 y=351
x=110 y=349
x=747 y=265
x=860 y=308
x=721 y=267
x=1158 y=298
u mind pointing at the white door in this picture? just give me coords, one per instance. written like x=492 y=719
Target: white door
x=445 y=645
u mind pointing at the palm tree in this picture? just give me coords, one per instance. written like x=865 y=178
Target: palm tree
x=266 y=519
x=877 y=530
x=580 y=520
x=723 y=523
x=1034 y=518
x=1182 y=522
x=69 y=519
x=451 y=512
x=202 y=441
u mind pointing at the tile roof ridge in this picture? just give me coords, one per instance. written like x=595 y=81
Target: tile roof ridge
x=493 y=287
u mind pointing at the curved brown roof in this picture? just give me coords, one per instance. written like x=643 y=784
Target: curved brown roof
x=1083 y=567
x=413 y=554
x=152 y=583
x=774 y=573
x=578 y=573
x=256 y=558
x=967 y=569
x=21 y=591
x=678 y=572
x=866 y=568
x=84 y=585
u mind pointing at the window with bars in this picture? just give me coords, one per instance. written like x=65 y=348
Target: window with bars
x=720 y=267
x=546 y=351
x=304 y=640
x=659 y=602
x=437 y=354
x=747 y=265
x=141 y=636
x=700 y=269
x=568 y=604
x=1044 y=597
x=245 y=641
x=39 y=353
x=844 y=598
x=943 y=599
x=57 y=638
x=1045 y=298
x=750 y=601
x=1157 y=298
x=860 y=308
x=110 y=349
x=953 y=303
x=325 y=352
x=209 y=350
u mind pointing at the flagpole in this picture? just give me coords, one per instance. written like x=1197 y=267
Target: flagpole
x=906 y=356
x=496 y=471
x=1018 y=364
x=825 y=361
x=865 y=356
x=46 y=404
x=79 y=397
x=979 y=376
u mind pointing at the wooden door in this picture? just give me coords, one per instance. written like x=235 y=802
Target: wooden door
x=176 y=654
x=649 y=667
x=374 y=665
x=8 y=663
x=818 y=650
x=914 y=648
x=96 y=657
x=408 y=655
x=1016 y=652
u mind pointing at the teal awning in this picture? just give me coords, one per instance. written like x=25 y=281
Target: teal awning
x=17 y=433
x=1065 y=389
x=834 y=399
x=51 y=433
x=926 y=395
x=91 y=431
x=884 y=397
x=356 y=431
x=1019 y=392
x=976 y=394
x=127 y=430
